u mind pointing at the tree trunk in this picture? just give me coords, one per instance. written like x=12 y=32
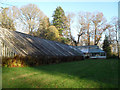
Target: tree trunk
x=88 y=33
x=95 y=35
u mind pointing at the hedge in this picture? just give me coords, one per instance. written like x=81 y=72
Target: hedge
x=20 y=61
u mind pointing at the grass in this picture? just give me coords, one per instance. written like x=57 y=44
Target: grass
x=79 y=74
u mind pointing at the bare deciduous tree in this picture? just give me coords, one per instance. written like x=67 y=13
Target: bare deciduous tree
x=113 y=33
x=85 y=23
x=100 y=25
x=84 y=27
x=31 y=16
x=6 y=19
x=68 y=34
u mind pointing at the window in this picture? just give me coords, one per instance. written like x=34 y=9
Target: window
x=97 y=54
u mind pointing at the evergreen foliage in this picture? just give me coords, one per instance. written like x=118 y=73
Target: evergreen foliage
x=59 y=20
x=106 y=47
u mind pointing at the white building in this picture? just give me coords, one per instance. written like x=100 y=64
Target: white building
x=92 y=51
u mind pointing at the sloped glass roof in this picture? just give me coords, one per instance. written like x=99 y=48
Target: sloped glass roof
x=25 y=44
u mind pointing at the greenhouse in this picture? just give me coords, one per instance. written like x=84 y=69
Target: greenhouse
x=16 y=43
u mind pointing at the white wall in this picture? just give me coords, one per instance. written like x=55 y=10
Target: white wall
x=97 y=56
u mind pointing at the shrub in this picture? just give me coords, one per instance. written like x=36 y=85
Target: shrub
x=20 y=61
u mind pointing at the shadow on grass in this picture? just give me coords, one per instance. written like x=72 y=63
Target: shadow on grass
x=99 y=71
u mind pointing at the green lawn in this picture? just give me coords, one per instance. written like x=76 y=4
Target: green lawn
x=79 y=74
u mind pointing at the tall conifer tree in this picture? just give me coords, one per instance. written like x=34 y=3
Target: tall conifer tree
x=59 y=20
x=106 y=47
